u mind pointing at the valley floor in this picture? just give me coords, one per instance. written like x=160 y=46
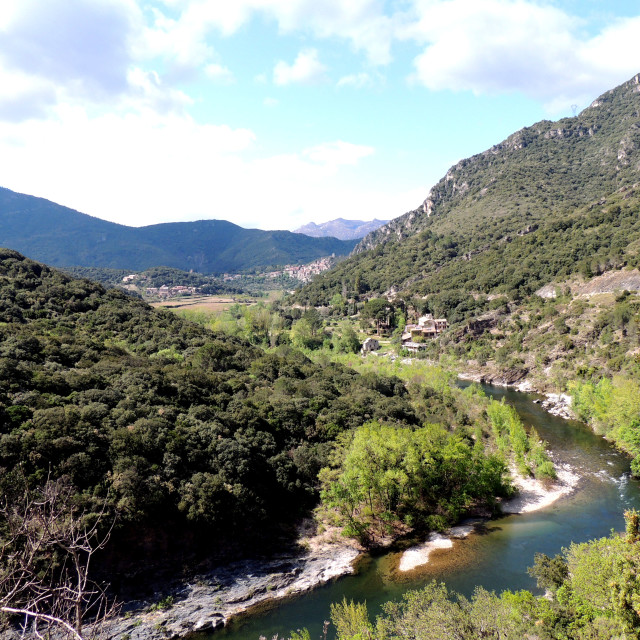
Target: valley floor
x=210 y=601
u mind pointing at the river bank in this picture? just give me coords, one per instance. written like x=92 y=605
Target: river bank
x=211 y=600
x=497 y=554
x=557 y=404
x=532 y=495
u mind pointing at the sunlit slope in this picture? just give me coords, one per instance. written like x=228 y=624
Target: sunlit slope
x=550 y=198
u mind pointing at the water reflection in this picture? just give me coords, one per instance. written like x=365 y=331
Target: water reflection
x=498 y=555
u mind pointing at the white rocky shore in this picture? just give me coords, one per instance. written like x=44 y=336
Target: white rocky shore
x=211 y=600
x=532 y=495
x=419 y=555
x=557 y=404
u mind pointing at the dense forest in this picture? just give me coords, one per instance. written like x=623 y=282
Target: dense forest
x=186 y=439
x=170 y=421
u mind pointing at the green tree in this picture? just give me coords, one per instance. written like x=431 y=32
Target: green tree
x=346 y=339
x=388 y=474
x=351 y=620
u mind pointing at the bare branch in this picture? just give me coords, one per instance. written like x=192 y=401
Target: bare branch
x=45 y=554
x=43 y=616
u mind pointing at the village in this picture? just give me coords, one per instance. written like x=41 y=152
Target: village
x=414 y=336
x=288 y=277
x=170 y=292
x=303 y=272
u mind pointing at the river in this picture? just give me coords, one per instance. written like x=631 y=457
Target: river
x=497 y=557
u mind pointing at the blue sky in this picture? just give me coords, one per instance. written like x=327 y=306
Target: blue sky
x=274 y=113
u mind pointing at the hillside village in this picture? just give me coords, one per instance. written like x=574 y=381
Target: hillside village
x=287 y=278
x=428 y=328
x=301 y=272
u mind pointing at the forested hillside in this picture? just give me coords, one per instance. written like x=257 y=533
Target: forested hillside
x=173 y=423
x=185 y=434
x=552 y=199
x=63 y=237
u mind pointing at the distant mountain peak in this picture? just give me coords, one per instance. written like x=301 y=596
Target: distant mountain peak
x=341 y=228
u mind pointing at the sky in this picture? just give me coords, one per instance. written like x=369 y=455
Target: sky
x=275 y=113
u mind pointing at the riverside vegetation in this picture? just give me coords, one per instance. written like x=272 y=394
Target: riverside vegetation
x=592 y=592
x=182 y=438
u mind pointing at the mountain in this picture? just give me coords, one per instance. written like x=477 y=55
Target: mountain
x=341 y=228
x=61 y=236
x=177 y=428
x=552 y=199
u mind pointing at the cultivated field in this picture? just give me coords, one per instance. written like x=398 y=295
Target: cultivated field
x=200 y=303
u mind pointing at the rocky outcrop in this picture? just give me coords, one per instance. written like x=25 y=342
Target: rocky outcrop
x=614 y=281
x=398 y=229
x=559 y=404
x=209 y=601
x=610 y=282
x=504 y=378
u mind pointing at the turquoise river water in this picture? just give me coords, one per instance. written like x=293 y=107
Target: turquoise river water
x=497 y=557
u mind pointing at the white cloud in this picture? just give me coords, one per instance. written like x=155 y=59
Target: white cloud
x=86 y=52
x=147 y=92
x=146 y=168
x=306 y=69
x=82 y=45
x=218 y=73
x=91 y=114
x=363 y=23
x=491 y=46
x=24 y=97
x=337 y=153
x=133 y=169
x=182 y=42
x=356 y=80
x=8 y=11
x=614 y=54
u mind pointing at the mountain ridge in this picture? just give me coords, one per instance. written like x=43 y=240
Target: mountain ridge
x=549 y=199
x=341 y=228
x=63 y=237
x=413 y=221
